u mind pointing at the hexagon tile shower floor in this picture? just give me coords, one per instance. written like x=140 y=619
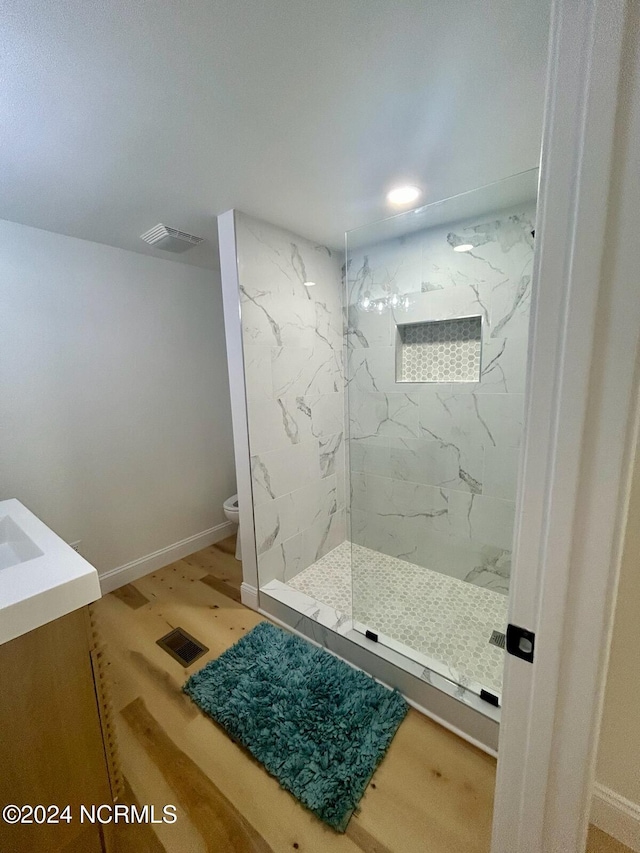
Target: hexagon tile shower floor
x=417 y=607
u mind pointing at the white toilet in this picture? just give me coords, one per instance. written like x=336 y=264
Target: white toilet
x=230 y=507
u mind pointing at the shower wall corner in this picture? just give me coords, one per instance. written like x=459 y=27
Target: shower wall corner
x=237 y=387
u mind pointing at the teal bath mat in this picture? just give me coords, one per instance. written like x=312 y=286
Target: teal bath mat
x=317 y=725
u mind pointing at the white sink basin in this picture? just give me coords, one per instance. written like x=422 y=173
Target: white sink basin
x=15 y=545
x=41 y=577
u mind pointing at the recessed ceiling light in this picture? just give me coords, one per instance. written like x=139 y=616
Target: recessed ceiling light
x=309 y=283
x=403 y=195
x=463 y=247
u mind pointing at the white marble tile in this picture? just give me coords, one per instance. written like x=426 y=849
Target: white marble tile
x=396 y=265
x=257 y=371
x=420 y=461
x=365 y=413
x=448 y=554
x=388 y=497
x=379 y=414
x=511 y=302
x=452 y=419
x=272 y=320
x=502 y=417
x=275 y=521
x=467 y=300
x=384 y=535
x=370 y=455
x=329 y=326
x=370 y=329
x=408 y=538
x=277 y=423
x=281 y=562
x=373 y=369
x=393 y=266
x=455 y=556
x=326 y=412
x=291 y=370
x=502 y=243
x=341 y=488
x=482 y=519
x=504 y=365
x=493 y=570
x=278 y=260
x=501 y=472
x=444 y=270
x=293 y=557
x=307 y=372
x=323 y=614
x=323 y=536
x=279 y=472
x=271 y=565
x=316 y=501
x=293 y=339
x=331 y=454
x=450 y=414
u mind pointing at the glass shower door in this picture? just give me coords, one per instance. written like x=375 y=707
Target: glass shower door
x=438 y=315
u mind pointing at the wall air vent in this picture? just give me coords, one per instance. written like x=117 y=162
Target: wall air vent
x=169 y=239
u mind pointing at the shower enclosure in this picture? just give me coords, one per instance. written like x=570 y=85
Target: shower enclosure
x=384 y=395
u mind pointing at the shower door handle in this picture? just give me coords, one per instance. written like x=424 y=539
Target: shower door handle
x=520 y=642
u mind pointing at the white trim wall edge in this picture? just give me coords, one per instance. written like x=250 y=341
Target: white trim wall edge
x=130 y=572
x=617 y=816
x=249 y=596
x=237 y=390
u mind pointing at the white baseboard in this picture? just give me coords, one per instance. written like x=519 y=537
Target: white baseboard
x=616 y=816
x=152 y=562
x=249 y=596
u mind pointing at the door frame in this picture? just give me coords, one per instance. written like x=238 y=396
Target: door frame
x=581 y=426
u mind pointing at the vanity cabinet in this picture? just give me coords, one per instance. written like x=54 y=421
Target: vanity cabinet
x=54 y=751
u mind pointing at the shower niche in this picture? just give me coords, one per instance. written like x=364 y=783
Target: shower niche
x=439 y=350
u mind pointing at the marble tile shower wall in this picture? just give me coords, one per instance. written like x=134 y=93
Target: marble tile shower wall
x=293 y=350
x=434 y=466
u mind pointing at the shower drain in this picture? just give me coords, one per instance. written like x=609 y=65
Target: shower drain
x=498 y=639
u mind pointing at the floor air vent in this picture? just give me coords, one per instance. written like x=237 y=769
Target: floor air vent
x=182 y=646
x=498 y=639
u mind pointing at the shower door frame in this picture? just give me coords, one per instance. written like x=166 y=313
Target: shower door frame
x=580 y=432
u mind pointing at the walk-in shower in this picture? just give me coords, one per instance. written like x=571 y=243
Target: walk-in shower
x=384 y=416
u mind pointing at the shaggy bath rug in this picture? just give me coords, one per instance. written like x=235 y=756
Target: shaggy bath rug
x=317 y=725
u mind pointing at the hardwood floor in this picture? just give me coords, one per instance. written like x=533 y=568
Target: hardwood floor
x=600 y=842
x=433 y=792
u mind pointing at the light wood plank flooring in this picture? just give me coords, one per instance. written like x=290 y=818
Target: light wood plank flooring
x=433 y=792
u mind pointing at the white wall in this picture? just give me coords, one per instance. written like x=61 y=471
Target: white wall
x=115 y=424
x=619 y=747
x=616 y=806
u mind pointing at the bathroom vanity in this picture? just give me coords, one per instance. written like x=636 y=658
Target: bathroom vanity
x=54 y=746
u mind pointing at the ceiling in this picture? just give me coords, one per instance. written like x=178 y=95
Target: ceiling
x=119 y=114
